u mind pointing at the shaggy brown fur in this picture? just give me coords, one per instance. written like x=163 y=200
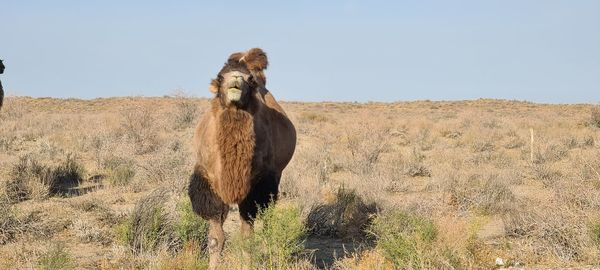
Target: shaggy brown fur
x=1 y=90
x=242 y=146
x=235 y=142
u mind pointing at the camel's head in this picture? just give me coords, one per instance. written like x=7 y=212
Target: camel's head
x=240 y=77
x=1 y=67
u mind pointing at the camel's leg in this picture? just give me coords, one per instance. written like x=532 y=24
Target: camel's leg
x=264 y=191
x=209 y=206
x=216 y=241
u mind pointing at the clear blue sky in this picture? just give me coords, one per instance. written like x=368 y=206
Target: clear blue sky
x=543 y=51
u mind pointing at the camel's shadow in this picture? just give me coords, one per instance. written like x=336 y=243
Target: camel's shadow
x=326 y=250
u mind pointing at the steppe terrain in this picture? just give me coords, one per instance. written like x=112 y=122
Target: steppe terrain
x=483 y=184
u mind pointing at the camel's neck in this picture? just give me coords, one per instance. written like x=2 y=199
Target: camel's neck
x=235 y=140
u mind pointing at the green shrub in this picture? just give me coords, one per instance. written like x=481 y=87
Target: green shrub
x=149 y=228
x=155 y=224
x=121 y=175
x=57 y=257
x=190 y=227
x=277 y=239
x=596 y=233
x=406 y=240
x=120 y=170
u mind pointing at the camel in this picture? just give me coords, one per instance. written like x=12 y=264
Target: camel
x=242 y=144
x=1 y=90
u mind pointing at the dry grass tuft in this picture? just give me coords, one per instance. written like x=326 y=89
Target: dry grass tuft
x=563 y=235
x=346 y=217
x=488 y=193
x=595 y=117
x=32 y=180
x=56 y=257
x=138 y=125
x=10 y=225
x=159 y=222
x=187 y=112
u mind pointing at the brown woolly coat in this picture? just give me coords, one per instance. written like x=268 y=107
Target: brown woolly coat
x=234 y=146
x=1 y=90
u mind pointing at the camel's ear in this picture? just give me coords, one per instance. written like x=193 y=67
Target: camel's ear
x=236 y=56
x=214 y=86
x=255 y=59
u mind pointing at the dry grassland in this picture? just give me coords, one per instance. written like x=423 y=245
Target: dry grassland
x=100 y=184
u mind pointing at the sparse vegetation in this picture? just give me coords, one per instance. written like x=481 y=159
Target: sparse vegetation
x=33 y=180
x=347 y=216
x=276 y=243
x=138 y=125
x=406 y=240
x=120 y=171
x=439 y=185
x=596 y=233
x=162 y=221
x=10 y=226
x=187 y=112
x=56 y=258
x=595 y=117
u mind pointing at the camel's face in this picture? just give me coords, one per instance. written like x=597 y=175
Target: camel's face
x=236 y=87
x=239 y=78
x=234 y=84
x=1 y=67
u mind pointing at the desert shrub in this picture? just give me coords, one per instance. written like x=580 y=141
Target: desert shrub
x=32 y=180
x=65 y=175
x=415 y=166
x=308 y=117
x=166 y=167
x=189 y=258
x=577 y=194
x=365 y=146
x=489 y=194
x=596 y=233
x=159 y=222
x=551 y=152
x=595 y=117
x=190 y=228
x=406 y=240
x=276 y=243
x=13 y=224
x=187 y=113
x=347 y=216
x=514 y=140
x=10 y=226
x=121 y=176
x=29 y=180
x=424 y=140
x=483 y=146
x=587 y=141
x=563 y=235
x=88 y=232
x=546 y=174
x=56 y=258
x=120 y=170
x=138 y=125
